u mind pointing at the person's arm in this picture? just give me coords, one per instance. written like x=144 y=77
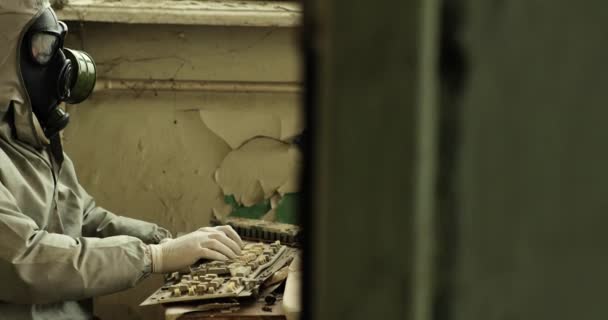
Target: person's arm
x=37 y=267
x=101 y=223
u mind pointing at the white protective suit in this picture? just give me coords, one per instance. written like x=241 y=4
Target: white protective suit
x=57 y=248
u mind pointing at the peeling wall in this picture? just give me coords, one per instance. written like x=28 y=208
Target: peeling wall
x=149 y=155
x=189 y=52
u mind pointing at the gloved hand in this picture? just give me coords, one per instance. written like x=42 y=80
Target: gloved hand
x=215 y=243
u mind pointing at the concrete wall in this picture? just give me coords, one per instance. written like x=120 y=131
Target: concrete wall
x=521 y=189
x=370 y=89
x=147 y=154
x=530 y=211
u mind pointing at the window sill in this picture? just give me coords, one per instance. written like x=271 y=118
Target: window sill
x=217 y=13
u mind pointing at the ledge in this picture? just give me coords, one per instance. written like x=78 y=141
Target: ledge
x=183 y=85
x=216 y=13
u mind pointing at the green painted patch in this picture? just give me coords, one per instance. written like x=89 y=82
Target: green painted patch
x=256 y=211
x=286 y=211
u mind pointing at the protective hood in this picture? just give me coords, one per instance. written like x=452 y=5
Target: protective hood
x=15 y=18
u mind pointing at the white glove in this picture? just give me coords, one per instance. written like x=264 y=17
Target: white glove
x=217 y=243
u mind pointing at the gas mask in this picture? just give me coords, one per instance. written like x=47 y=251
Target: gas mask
x=53 y=74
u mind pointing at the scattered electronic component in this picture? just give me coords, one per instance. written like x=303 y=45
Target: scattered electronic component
x=240 y=277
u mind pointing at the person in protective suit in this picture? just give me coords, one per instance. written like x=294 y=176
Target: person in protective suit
x=58 y=249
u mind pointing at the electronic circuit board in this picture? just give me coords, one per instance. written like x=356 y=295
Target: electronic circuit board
x=260 y=230
x=240 y=277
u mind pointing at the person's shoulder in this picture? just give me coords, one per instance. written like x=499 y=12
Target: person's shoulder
x=68 y=164
x=68 y=172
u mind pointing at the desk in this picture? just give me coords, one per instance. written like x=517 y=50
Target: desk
x=253 y=310
x=246 y=312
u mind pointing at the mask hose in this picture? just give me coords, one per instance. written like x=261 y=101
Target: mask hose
x=57 y=121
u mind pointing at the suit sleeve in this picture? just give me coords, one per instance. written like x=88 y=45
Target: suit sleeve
x=101 y=223
x=37 y=267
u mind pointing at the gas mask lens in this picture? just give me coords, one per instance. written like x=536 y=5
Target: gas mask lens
x=43 y=47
